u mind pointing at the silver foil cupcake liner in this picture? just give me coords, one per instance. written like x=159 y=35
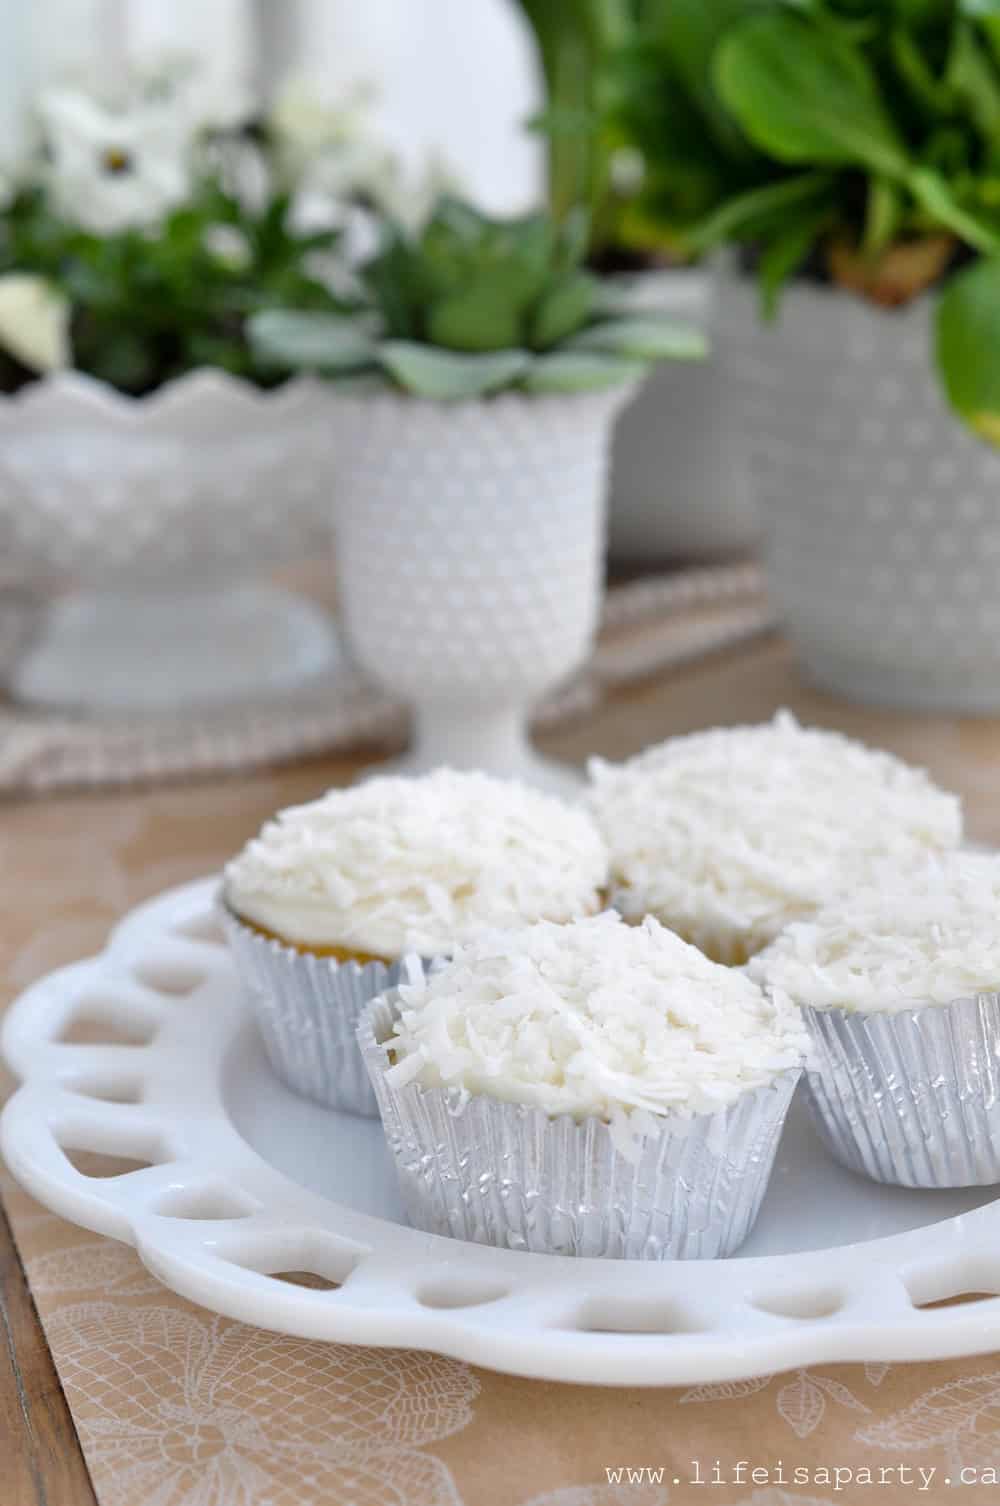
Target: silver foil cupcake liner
x=910 y=1097
x=506 y=1174
x=307 y=1009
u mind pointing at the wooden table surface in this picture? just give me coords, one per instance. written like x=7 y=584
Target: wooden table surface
x=40 y=1458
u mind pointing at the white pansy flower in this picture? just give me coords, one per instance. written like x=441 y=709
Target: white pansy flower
x=115 y=170
x=204 y=99
x=305 y=125
x=329 y=151
x=34 y=322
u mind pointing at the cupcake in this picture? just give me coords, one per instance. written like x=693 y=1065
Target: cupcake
x=591 y=1089
x=898 y=986
x=325 y=905
x=730 y=835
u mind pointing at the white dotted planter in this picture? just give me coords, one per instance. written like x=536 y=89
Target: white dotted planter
x=161 y=511
x=680 y=488
x=470 y=551
x=244 y=1182
x=881 y=511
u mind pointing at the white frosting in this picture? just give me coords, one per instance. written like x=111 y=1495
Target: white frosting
x=729 y=835
x=926 y=935
x=396 y=865
x=594 y=1018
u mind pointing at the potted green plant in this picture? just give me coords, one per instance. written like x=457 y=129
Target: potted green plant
x=148 y=458
x=474 y=394
x=860 y=180
x=615 y=113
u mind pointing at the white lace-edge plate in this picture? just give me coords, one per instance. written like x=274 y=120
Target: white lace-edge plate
x=243 y=1184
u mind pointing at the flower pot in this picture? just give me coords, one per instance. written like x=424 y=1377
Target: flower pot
x=881 y=511
x=470 y=542
x=156 y=514
x=679 y=482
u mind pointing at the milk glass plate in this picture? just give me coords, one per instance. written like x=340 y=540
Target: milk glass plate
x=147 y=1052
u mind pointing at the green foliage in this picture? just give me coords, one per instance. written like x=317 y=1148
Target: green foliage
x=477 y=284
x=577 y=40
x=471 y=306
x=149 y=305
x=805 y=94
x=828 y=134
x=885 y=111
x=967 y=337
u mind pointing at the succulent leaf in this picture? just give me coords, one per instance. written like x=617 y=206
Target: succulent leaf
x=319 y=342
x=644 y=339
x=579 y=371
x=449 y=376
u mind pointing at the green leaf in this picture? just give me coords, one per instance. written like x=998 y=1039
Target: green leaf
x=318 y=342
x=577 y=40
x=930 y=93
x=395 y=281
x=967 y=346
x=688 y=32
x=805 y=95
x=934 y=195
x=644 y=338
x=973 y=81
x=574 y=236
x=786 y=252
x=882 y=215
x=482 y=316
x=579 y=371
x=449 y=376
x=748 y=215
x=562 y=310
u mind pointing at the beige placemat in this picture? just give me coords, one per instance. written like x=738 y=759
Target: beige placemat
x=648 y=626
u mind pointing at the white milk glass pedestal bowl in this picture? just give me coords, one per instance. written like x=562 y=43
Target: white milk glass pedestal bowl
x=156 y=515
x=881 y=510
x=470 y=550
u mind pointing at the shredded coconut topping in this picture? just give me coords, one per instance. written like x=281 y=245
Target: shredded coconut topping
x=396 y=865
x=729 y=835
x=594 y=1018
x=923 y=936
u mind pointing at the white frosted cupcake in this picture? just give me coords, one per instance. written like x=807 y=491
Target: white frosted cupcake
x=586 y=1089
x=323 y=906
x=728 y=836
x=898 y=985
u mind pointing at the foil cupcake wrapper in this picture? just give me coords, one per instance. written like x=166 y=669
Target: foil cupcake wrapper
x=507 y=1174
x=910 y=1097
x=307 y=1009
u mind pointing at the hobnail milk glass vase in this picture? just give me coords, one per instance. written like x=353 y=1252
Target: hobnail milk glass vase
x=470 y=548
x=157 y=515
x=881 y=510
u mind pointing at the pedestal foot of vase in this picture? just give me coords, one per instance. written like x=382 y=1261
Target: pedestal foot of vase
x=165 y=650
x=482 y=738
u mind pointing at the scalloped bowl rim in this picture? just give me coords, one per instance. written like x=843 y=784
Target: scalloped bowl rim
x=94 y=398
